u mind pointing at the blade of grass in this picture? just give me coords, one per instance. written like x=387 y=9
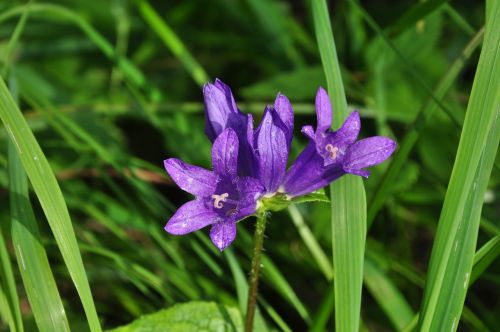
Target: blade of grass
x=14 y=40
x=418 y=78
x=387 y=295
x=484 y=257
x=50 y=11
x=241 y=284
x=34 y=265
x=416 y=13
x=172 y=41
x=311 y=243
x=452 y=254
x=50 y=196
x=413 y=132
x=9 y=300
x=348 y=205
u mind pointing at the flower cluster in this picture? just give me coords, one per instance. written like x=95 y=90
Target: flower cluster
x=250 y=164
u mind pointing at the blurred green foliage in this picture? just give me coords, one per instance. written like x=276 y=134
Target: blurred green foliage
x=111 y=88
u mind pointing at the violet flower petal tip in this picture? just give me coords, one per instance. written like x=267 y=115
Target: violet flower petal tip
x=190 y=217
x=192 y=179
x=285 y=111
x=223 y=234
x=272 y=149
x=323 y=110
x=350 y=128
x=225 y=153
x=308 y=131
x=369 y=152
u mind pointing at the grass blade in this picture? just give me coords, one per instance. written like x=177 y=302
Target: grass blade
x=484 y=257
x=311 y=242
x=34 y=265
x=348 y=217
x=413 y=132
x=9 y=301
x=387 y=295
x=170 y=39
x=453 y=250
x=50 y=196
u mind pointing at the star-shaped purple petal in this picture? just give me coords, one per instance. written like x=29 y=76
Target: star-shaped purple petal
x=222 y=197
x=331 y=154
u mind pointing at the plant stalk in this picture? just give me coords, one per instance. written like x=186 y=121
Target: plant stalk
x=255 y=271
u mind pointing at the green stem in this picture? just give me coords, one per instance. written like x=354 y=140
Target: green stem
x=254 y=272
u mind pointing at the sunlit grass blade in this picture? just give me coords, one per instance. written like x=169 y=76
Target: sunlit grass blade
x=34 y=265
x=452 y=254
x=413 y=132
x=51 y=199
x=172 y=41
x=348 y=197
x=387 y=295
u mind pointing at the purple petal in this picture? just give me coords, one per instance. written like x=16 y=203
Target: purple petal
x=272 y=150
x=285 y=111
x=225 y=153
x=250 y=190
x=308 y=173
x=368 y=152
x=309 y=132
x=349 y=131
x=193 y=179
x=223 y=234
x=323 y=110
x=220 y=109
x=191 y=217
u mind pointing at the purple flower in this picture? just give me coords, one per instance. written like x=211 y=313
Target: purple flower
x=222 y=197
x=263 y=153
x=221 y=112
x=331 y=154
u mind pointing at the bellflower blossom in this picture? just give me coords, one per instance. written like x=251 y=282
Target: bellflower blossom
x=331 y=154
x=263 y=153
x=222 y=197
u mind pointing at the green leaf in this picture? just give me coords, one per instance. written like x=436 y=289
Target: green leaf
x=453 y=250
x=348 y=196
x=50 y=196
x=191 y=316
x=34 y=265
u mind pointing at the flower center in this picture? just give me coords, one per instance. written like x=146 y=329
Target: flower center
x=218 y=199
x=332 y=151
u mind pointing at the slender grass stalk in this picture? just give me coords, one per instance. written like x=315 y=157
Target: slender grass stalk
x=255 y=271
x=9 y=300
x=34 y=265
x=50 y=196
x=348 y=198
x=173 y=42
x=453 y=250
x=413 y=132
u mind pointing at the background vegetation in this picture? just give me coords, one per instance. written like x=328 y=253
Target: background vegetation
x=111 y=88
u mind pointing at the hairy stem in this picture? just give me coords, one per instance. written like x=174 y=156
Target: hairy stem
x=255 y=271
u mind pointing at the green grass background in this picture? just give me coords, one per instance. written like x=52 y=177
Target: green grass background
x=97 y=94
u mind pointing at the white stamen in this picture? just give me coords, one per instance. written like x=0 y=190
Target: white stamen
x=332 y=150
x=218 y=199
